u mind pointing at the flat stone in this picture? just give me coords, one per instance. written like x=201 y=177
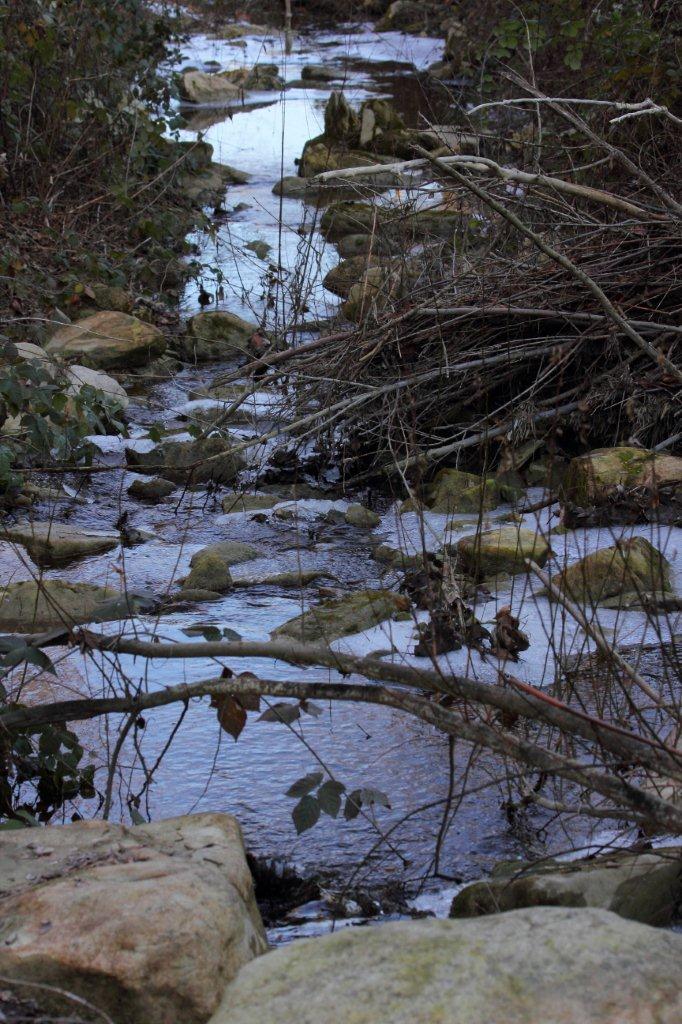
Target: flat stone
x=320 y=73
x=345 y=616
x=108 y=340
x=33 y=606
x=248 y=502
x=149 y=922
x=230 y=552
x=49 y=543
x=546 y=965
x=645 y=887
x=503 y=549
x=199 y=87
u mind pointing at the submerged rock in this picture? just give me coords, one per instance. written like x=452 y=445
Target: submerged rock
x=198 y=87
x=230 y=552
x=216 y=335
x=208 y=572
x=200 y=461
x=502 y=550
x=49 y=543
x=546 y=965
x=345 y=616
x=631 y=569
x=597 y=477
x=34 y=606
x=108 y=340
x=148 y=922
x=645 y=887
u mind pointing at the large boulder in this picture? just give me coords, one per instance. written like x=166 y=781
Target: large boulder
x=344 y=616
x=199 y=87
x=503 y=549
x=200 y=461
x=597 y=477
x=453 y=490
x=209 y=572
x=80 y=377
x=33 y=606
x=645 y=887
x=216 y=335
x=626 y=573
x=148 y=923
x=49 y=543
x=108 y=340
x=540 y=966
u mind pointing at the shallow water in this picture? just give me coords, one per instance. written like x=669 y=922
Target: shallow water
x=360 y=745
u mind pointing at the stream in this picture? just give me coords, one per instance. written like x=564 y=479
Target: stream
x=363 y=746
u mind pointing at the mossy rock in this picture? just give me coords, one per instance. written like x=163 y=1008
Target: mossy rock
x=349 y=218
x=209 y=572
x=363 y=518
x=504 y=549
x=50 y=604
x=311 y=73
x=324 y=154
x=237 y=502
x=200 y=88
x=263 y=77
x=591 y=479
x=200 y=461
x=642 y=887
x=216 y=335
x=630 y=569
x=396 y=558
x=347 y=615
x=152 y=490
x=108 y=340
x=384 y=283
x=453 y=490
x=340 y=279
x=230 y=552
x=52 y=544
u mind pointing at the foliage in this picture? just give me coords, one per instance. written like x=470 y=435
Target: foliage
x=317 y=797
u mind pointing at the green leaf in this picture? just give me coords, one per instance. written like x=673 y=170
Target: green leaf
x=329 y=797
x=286 y=713
x=353 y=805
x=305 y=814
x=305 y=784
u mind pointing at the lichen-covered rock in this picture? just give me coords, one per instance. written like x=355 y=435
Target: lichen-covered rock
x=33 y=606
x=351 y=614
x=108 y=340
x=503 y=549
x=645 y=887
x=49 y=543
x=230 y=552
x=211 y=459
x=148 y=923
x=453 y=490
x=216 y=335
x=593 y=478
x=341 y=278
x=152 y=490
x=199 y=87
x=209 y=572
x=108 y=296
x=363 y=518
x=546 y=965
x=630 y=569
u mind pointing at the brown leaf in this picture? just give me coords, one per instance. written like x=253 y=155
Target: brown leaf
x=231 y=714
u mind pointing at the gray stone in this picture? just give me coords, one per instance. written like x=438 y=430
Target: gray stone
x=540 y=966
x=209 y=572
x=108 y=340
x=350 y=614
x=49 y=543
x=200 y=461
x=33 y=606
x=151 y=490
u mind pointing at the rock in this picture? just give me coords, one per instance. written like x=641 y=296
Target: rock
x=296 y=579
x=230 y=552
x=629 y=570
x=645 y=887
x=151 y=490
x=294 y=187
x=351 y=614
x=261 y=249
x=376 y=118
x=456 y=46
x=406 y=16
x=200 y=461
x=109 y=296
x=323 y=154
x=35 y=606
x=193 y=595
x=596 y=477
x=83 y=376
x=198 y=87
x=207 y=187
x=320 y=73
x=49 y=543
x=364 y=518
x=355 y=245
x=546 y=965
x=340 y=279
x=455 y=491
x=396 y=558
x=353 y=218
x=349 y=218
x=341 y=122
x=504 y=549
x=149 y=923
x=237 y=502
x=383 y=283
x=216 y=335
x=238 y=31
x=209 y=572
x=108 y=340
x=260 y=76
